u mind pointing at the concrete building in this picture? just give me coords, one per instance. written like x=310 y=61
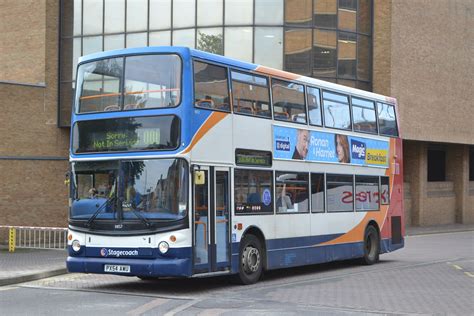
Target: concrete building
x=417 y=51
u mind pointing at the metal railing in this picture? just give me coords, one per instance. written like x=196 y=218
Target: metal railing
x=36 y=237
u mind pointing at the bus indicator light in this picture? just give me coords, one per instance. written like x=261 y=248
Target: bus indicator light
x=172 y=238
x=239 y=226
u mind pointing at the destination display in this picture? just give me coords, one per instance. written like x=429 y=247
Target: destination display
x=302 y=144
x=247 y=157
x=126 y=134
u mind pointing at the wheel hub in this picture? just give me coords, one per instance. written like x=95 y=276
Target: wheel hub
x=251 y=259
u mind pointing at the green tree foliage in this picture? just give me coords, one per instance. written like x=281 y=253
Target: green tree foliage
x=210 y=43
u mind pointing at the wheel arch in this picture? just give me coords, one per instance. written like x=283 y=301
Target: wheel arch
x=372 y=222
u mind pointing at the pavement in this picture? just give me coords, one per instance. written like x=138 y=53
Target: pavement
x=26 y=265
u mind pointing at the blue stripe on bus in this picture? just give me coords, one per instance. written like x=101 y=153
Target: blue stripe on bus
x=178 y=261
x=148 y=262
x=177 y=267
x=281 y=256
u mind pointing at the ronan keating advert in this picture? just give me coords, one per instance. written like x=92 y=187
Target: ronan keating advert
x=301 y=144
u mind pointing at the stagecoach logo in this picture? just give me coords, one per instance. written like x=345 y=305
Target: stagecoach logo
x=283 y=143
x=358 y=149
x=117 y=253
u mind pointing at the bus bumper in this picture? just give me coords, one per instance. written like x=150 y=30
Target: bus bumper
x=170 y=267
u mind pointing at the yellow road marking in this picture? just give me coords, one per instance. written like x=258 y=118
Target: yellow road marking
x=148 y=306
x=457 y=267
x=469 y=274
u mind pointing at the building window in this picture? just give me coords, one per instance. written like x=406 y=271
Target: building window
x=436 y=165
x=326 y=39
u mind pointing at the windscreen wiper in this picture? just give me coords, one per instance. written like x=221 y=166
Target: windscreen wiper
x=99 y=210
x=141 y=218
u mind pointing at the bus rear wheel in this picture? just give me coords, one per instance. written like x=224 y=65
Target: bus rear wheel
x=250 y=260
x=371 y=246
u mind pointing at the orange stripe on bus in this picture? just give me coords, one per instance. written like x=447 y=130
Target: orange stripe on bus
x=356 y=234
x=213 y=119
x=277 y=73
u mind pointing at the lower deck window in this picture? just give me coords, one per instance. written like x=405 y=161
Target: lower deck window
x=367 y=193
x=340 y=193
x=317 y=192
x=385 y=190
x=253 y=191
x=291 y=192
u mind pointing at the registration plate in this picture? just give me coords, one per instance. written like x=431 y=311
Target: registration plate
x=116 y=268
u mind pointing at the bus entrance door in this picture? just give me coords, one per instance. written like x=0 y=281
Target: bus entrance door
x=211 y=220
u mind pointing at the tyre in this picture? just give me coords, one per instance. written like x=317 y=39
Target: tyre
x=250 y=260
x=371 y=246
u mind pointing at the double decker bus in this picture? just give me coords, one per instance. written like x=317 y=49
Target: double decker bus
x=186 y=163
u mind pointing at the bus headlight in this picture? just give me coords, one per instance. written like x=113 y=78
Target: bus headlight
x=76 y=245
x=163 y=247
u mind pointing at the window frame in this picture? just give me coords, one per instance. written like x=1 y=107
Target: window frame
x=324 y=193
x=396 y=119
x=326 y=190
x=305 y=107
x=227 y=80
x=308 y=187
x=267 y=86
x=348 y=95
x=378 y=196
x=388 y=184
x=77 y=92
x=361 y=107
x=272 y=190
x=321 y=112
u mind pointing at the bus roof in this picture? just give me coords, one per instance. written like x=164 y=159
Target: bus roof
x=237 y=64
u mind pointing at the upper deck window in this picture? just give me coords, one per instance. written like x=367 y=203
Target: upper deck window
x=131 y=83
x=211 y=90
x=387 y=119
x=363 y=113
x=336 y=110
x=288 y=101
x=314 y=106
x=250 y=94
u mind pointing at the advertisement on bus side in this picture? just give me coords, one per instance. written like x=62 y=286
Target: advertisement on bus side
x=301 y=144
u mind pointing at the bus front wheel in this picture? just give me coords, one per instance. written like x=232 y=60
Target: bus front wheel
x=251 y=260
x=371 y=246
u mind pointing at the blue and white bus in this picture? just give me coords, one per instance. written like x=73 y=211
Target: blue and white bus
x=185 y=163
